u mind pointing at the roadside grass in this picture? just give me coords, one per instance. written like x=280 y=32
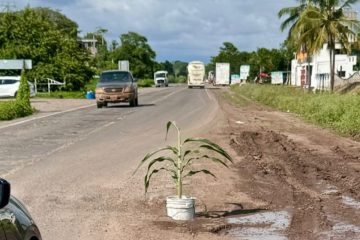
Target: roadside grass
x=61 y=94
x=235 y=99
x=338 y=112
x=14 y=109
x=143 y=83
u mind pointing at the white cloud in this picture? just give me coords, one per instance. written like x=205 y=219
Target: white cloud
x=181 y=29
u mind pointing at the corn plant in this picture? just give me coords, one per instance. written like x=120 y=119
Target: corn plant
x=181 y=159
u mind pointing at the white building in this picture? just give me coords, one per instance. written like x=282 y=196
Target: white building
x=90 y=44
x=319 y=66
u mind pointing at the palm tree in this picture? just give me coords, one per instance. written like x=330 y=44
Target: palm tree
x=294 y=14
x=320 y=22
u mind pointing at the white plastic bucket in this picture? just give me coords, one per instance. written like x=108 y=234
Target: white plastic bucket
x=180 y=208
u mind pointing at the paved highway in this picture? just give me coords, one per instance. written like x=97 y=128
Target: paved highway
x=70 y=168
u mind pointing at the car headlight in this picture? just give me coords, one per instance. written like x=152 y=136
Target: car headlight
x=99 y=90
x=129 y=89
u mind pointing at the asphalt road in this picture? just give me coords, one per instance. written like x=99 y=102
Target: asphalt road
x=59 y=163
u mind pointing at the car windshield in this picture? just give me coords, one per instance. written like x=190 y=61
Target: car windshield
x=160 y=75
x=115 y=77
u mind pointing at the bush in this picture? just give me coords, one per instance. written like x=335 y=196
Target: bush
x=145 y=83
x=23 y=93
x=179 y=79
x=14 y=109
x=338 y=112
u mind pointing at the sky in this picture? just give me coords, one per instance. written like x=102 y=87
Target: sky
x=183 y=30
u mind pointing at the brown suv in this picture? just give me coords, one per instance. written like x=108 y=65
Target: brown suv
x=116 y=86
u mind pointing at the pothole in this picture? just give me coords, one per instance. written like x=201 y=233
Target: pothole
x=349 y=201
x=330 y=190
x=260 y=226
x=341 y=230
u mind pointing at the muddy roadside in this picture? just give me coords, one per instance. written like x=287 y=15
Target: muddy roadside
x=290 y=180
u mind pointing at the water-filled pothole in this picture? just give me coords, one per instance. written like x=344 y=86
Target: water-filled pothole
x=260 y=226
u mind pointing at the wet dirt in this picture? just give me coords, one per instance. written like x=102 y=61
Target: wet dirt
x=289 y=180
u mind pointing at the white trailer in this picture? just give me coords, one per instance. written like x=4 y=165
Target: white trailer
x=222 y=74
x=196 y=74
x=160 y=78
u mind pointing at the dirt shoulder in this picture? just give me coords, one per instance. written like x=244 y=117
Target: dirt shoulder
x=290 y=180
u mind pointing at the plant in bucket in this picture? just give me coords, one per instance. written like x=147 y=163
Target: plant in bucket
x=179 y=163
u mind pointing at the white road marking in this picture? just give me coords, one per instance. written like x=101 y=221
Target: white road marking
x=100 y=128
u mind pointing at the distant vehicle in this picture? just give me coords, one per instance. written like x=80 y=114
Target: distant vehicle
x=196 y=74
x=9 y=86
x=211 y=77
x=160 y=79
x=116 y=86
x=222 y=74
x=15 y=220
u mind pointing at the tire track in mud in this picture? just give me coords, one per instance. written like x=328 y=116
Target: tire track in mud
x=301 y=174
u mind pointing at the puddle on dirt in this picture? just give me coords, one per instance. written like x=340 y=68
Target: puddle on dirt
x=341 y=230
x=260 y=226
x=330 y=190
x=350 y=202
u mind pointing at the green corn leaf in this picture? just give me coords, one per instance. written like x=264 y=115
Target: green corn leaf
x=187 y=152
x=168 y=125
x=191 y=173
x=214 y=159
x=219 y=151
x=149 y=155
x=160 y=159
x=212 y=146
x=148 y=177
x=175 y=178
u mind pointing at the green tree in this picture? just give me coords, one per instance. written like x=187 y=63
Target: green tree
x=180 y=69
x=324 y=22
x=168 y=66
x=50 y=40
x=229 y=53
x=136 y=49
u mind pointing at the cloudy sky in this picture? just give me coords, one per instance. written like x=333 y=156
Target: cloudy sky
x=179 y=29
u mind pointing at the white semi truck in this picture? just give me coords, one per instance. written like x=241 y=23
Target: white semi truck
x=196 y=74
x=160 y=79
x=222 y=74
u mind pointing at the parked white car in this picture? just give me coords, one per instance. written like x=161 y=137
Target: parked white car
x=9 y=86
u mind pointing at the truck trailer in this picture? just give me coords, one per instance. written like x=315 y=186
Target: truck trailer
x=222 y=74
x=196 y=74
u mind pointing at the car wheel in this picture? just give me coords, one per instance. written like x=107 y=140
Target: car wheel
x=15 y=94
x=136 y=102
x=105 y=104
x=99 y=104
x=132 y=102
